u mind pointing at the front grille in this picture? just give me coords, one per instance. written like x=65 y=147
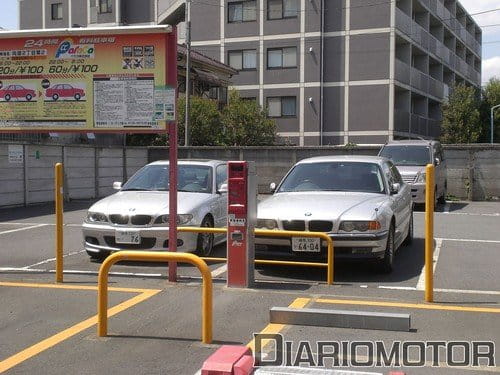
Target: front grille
x=409 y=178
x=140 y=220
x=298 y=225
x=119 y=219
x=320 y=226
x=146 y=243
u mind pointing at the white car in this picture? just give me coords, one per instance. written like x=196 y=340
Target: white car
x=136 y=217
x=361 y=202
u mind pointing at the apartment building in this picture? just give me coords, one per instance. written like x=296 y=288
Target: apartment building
x=328 y=71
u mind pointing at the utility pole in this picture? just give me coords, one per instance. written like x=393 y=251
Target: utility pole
x=492 y=128
x=188 y=69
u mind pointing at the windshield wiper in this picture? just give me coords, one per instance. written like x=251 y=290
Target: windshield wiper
x=136 y=189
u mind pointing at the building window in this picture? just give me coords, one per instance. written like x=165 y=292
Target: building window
x=242 y=11
x=278 y=58
x=243 y=59
x=277 y=9
x=105 y=6
x=57 y=11
x=281 y=106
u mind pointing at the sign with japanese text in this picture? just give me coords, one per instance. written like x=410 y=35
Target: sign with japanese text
x=94 y=82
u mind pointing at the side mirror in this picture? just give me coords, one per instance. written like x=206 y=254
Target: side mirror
x=222 y=189
x=437 y=161
x=395 y=188
x=272 y=187
x=117 y=185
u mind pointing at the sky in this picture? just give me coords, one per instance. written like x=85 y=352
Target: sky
x=491 y=34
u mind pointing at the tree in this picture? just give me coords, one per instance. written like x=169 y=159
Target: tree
x=461 y=117
x=205 y=126
x=491 y=97
x=246 y=123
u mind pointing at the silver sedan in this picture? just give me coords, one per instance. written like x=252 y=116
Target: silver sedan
x=136 y=217
x=359 y=201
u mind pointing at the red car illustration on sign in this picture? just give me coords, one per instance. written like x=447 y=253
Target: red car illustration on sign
x=64 y=91
x=17 y=92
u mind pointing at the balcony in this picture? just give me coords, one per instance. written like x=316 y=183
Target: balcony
x=170 y=11
x=402 y=72
x=418 y=124
x=436 y=88
x=419 y=80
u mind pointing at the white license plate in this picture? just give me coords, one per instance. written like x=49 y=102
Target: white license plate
x=128 y=236
x=311 y=245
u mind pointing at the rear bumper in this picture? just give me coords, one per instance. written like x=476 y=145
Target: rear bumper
x=418 y=193
x=346 y=246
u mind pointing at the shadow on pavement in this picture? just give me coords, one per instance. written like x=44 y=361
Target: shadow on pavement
x=42 y=209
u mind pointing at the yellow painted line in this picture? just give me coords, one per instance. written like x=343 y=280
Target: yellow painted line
x=298 y=303
x=75 y=287
x=420 y=306
x=67 y=333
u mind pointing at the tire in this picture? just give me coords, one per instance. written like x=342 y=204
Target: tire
x=55 y=97
x=7 y=97
x=29 y=97
x=409 y=237
x=98 y=256
x=205 y=241
x=77 y=97
x=387 y=263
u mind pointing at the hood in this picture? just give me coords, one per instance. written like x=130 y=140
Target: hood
x=412 y=170
x=147 y=203
x=320 y=206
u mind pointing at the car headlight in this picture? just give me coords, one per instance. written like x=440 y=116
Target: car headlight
x=181 y=219
x=359 y=226
x=421 y=177
x=96 y=217
x=267 y=224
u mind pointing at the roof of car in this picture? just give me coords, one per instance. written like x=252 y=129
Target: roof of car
x=208 y=162
x=351 y=158
x=412 y=142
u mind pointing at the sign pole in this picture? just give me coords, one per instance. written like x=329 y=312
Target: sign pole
x=171 y=75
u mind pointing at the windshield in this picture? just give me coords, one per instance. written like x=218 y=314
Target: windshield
x=407 y=155
x=334 y=176
x=191 y=178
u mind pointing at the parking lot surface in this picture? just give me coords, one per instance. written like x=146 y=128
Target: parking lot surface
x=155 y=325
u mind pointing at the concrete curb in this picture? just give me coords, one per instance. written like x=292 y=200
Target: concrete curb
x=340 y=319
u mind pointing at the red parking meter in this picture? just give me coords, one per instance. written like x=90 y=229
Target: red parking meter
x=241 y=217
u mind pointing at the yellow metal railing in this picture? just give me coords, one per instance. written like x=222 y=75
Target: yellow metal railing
x=277 y=233
x=150 y=256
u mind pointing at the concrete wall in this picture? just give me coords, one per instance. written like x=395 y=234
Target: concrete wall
x=473 y=171
x=89 y=172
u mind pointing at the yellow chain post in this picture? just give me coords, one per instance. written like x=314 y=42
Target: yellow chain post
x=429 y=232
x=58 y=172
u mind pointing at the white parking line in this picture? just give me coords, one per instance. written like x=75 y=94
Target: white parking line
x=21 y=223
x=435 y=257
x=219 y=271
x=25 y=228
x=53 y=259
x=467 y=240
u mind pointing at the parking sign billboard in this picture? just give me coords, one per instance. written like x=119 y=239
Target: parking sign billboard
x=89 y=80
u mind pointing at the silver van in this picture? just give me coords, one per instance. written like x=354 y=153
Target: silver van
x=411 y=158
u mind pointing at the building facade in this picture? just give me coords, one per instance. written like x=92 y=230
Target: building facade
x=329 y=71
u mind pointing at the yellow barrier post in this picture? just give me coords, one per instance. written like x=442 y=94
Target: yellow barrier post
x=277 y=233
x=323 y=236
x=150 y=256
x=429 y=232
x=58 y=172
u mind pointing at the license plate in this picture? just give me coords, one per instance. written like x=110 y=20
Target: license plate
x=311 y=245
x=128 y=236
